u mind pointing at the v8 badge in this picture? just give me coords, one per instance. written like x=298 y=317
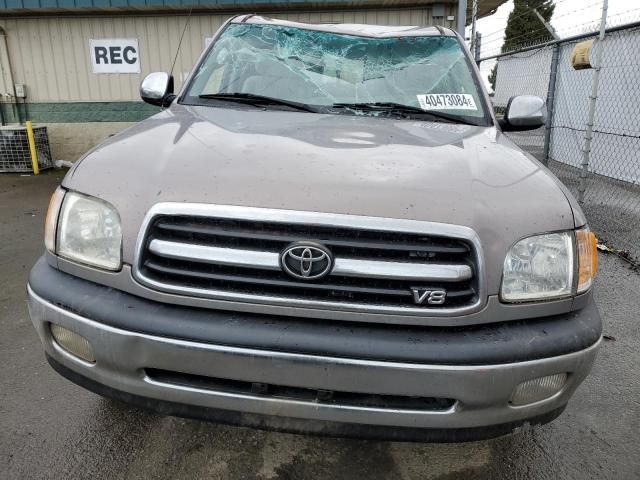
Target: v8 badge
x=423 y=296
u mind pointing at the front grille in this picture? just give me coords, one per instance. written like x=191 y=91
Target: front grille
x=324 y=397
x=221 y=255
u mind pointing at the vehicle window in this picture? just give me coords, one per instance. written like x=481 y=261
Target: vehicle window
x=323 y=69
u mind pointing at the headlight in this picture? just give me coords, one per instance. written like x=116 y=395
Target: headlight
x=88 y=231
x=539 y=268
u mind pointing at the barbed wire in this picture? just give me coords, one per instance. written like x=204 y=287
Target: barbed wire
x=627 y=12
x=544 y=28
x=583 y=7
x=611 y=20
x=489 y=47
x=595 y=130
x=576 y=30
x=529 y=33
x=522 y=15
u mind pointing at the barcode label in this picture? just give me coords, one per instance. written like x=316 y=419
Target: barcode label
x=447 y=101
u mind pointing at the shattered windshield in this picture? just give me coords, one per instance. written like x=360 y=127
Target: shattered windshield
x=332 y=71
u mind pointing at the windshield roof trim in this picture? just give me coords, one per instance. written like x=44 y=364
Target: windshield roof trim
x=352 y=29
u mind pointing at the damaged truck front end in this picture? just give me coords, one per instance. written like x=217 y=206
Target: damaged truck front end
x=326 y=231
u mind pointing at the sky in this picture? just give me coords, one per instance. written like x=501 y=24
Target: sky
x=571 y=17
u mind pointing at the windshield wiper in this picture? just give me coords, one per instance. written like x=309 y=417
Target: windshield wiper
x=406 y=109
x=257 y=100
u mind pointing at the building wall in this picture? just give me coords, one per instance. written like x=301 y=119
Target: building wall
x=102 y=6
x=69 y=141
x=50 y=56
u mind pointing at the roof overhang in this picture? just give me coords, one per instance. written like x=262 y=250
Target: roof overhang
x=106 y=7
x=485 y=8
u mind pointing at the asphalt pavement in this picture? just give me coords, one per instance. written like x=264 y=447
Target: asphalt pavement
x=51 y=428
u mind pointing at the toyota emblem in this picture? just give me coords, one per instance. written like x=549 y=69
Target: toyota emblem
x=306 y=260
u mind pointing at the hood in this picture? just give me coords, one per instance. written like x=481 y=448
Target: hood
x=358 y=165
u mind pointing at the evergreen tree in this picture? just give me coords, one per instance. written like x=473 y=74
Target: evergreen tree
x=525 y=28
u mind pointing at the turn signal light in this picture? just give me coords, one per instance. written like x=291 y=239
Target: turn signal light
x=587 y=259
x=51 y=220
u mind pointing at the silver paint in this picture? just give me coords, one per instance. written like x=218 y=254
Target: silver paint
x=406 y=170
x=363 y=166
x=482 y=391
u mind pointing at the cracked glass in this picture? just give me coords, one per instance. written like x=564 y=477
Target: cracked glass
x=326 y=69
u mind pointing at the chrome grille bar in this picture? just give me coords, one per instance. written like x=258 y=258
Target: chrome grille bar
x=200 y=250
x=346 y=267
x=349 y=267
x=217 y=255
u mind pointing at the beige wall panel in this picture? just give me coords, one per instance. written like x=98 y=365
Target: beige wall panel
x=6 y=78
x=51 y=54
x=69 y=141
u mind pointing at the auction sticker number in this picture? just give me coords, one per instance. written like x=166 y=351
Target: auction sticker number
x=447 y=101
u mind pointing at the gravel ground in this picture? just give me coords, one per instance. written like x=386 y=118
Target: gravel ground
x=50 y=428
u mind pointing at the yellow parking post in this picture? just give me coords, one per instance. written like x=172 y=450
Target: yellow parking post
x=32 y=148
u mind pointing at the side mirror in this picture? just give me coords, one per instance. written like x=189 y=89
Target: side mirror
x=157 y=89
x=524 y=112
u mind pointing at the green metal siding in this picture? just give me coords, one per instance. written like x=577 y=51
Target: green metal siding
x=142 y=4
x=77 y=112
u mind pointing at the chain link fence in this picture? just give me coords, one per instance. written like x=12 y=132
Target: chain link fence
x=611 y=193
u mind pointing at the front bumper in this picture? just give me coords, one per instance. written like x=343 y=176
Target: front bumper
x=124 y=358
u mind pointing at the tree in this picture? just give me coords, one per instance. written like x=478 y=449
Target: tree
x=525 y=28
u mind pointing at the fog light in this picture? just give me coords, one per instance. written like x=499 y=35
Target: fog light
x=72 y=343
x=538 y=389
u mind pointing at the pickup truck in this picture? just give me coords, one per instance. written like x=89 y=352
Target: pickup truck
x=325 y=231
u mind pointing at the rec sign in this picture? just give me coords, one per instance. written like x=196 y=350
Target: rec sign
x=114 y=55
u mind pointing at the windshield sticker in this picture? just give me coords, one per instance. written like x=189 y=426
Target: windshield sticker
x=447 y=101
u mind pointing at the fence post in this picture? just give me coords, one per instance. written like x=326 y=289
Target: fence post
x=477 y=48
x=551 y=97
x=474 y=18
x=462 y=16
x=592 y=106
